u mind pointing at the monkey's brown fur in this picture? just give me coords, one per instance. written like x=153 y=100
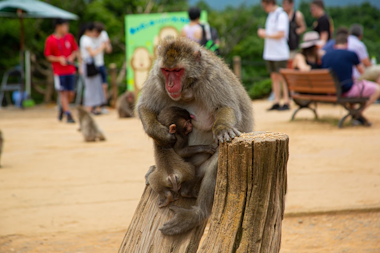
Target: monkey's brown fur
x=88 y=126
x=172 y=172
x=191 y=77
x=125 y=105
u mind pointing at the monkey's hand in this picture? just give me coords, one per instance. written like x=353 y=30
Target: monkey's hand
x=183 y=220
x=162 y=136
x=225 y=133
x=155 y=129
x=223 y=129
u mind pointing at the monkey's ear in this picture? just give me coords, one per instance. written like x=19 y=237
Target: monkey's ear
x=158 y=49
x=172 y=128
x=197 y=55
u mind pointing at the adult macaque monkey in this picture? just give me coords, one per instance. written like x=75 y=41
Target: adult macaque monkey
x=188 y=76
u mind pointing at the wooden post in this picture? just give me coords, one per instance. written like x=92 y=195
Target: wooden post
x=248 y=205
x=250 y=195
x=237 y=66
x=143 y=235
x=115 y=90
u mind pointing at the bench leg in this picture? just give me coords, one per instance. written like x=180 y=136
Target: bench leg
x=302 y=105
x=341 y=121
x=351 y=112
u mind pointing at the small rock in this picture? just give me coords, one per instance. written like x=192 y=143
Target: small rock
x=300 y=221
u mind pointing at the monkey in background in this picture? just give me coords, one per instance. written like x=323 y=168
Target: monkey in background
x=88 y=126
x=1 y=144
x=125 y=105
x=191 y=77
x=172 y=172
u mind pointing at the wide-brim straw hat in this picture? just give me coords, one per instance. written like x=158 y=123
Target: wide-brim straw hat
x=311 y=39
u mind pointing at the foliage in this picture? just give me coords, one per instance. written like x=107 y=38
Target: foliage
x=260 y=89
x=237 y=28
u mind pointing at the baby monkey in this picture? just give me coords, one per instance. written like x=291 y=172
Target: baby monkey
x=172 y=172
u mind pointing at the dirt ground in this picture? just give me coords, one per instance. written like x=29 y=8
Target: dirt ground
x=60 y=194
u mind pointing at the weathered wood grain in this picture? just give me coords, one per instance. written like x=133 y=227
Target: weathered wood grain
x=143 y=235
x=249 y=197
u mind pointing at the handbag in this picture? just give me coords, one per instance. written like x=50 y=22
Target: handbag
x=91 y=69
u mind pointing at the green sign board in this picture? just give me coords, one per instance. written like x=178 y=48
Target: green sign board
x=143 y=32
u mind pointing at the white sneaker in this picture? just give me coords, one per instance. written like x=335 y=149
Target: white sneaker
x=104 y=110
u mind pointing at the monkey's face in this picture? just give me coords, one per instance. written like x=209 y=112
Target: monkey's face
x=188 y=127
x=130 y=98
x=173 y=81
x=181 y=127
x=179 y=65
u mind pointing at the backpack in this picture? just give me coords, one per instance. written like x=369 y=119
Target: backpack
x=209 y=36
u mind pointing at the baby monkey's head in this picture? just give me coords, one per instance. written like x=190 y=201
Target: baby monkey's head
x=178 y=120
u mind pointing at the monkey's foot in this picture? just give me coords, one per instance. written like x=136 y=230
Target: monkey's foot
x=183 y=220
x=226 y=134
x=151 y=169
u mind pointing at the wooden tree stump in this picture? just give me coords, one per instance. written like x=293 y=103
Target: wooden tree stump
x=250 y=193
x=248 y=205
x=143 y=235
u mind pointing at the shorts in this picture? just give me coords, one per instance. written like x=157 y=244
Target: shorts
x=103 y=74
x=275 y=66
x=292 y=54
x=64 y=82
x=372 y=73
x=361 y=88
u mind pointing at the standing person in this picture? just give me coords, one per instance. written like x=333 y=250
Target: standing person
x=323 y=24
x=297 y=26
x=193 y=30
x=93 y=93
x=276 y=49
x=101 y=37
x=61 y=51
x=341 y=62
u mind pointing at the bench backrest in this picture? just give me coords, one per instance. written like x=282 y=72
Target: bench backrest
x=318 y=81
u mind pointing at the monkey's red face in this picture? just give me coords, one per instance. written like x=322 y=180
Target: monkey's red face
x=173 y=81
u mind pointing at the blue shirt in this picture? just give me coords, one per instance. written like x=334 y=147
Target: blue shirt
x=329 y=46
x=341 y=62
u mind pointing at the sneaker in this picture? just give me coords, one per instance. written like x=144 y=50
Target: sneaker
x=60 y=114
x=274 y=107
x=285 y=107
x=70 y=118
x=104 y=110
x=360 y=121
x=95 y=112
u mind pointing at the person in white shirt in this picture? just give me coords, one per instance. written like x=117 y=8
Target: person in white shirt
x=93 y=94
x=100 y=38
x=276 y=49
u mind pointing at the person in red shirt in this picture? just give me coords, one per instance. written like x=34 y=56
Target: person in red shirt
x=61 y=50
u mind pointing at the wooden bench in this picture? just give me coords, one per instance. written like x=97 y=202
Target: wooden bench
x=319 y=86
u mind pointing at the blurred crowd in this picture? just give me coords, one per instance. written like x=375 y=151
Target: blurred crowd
x=62 y=51
x=345 y=54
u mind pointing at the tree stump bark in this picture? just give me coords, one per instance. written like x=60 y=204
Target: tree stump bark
x=250 y=193
x=248 y=204
x=143 y=235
